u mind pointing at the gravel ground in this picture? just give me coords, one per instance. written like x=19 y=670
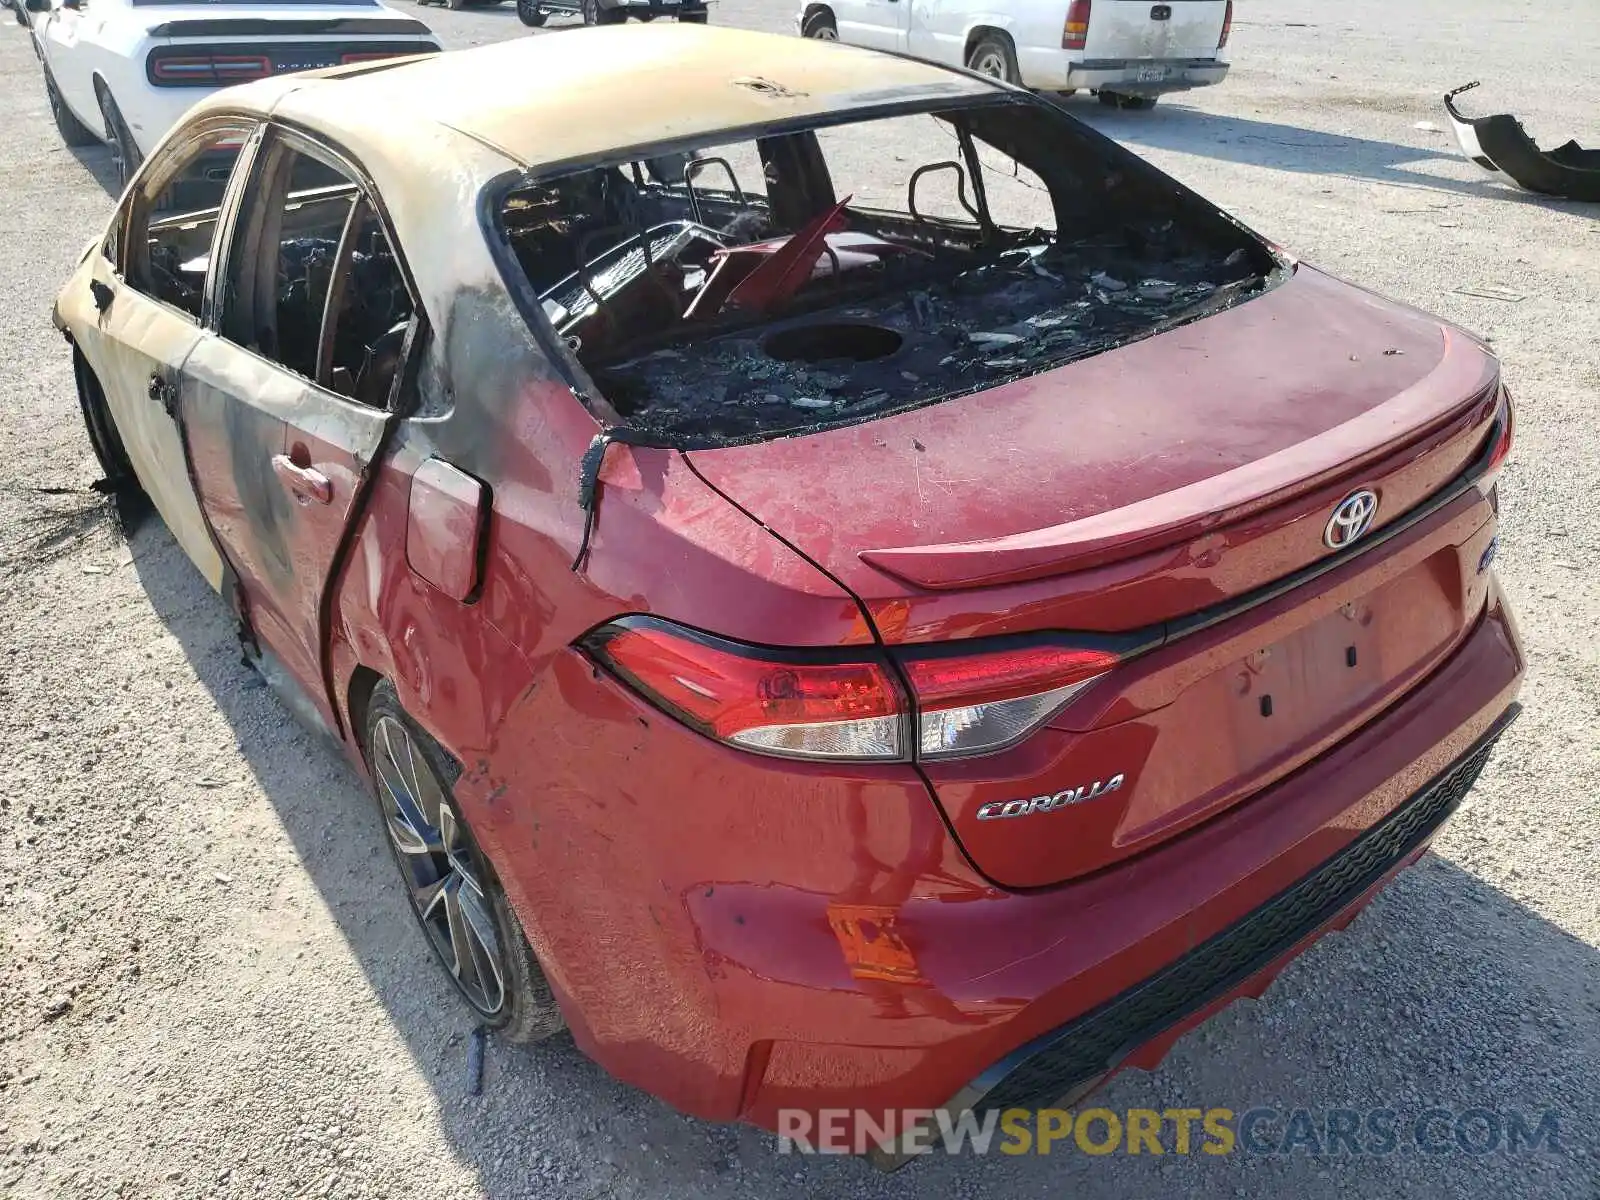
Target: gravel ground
x=211 y=981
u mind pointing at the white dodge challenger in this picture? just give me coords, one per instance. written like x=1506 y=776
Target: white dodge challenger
x=123 y=71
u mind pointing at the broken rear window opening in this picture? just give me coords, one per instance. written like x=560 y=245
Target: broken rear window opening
x=801 y=280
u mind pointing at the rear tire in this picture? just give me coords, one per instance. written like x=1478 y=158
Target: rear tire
x=412 y=780
x=125 y=156
x=993 y=56
x=529 y=14
x=73 y=131
x=820 y=25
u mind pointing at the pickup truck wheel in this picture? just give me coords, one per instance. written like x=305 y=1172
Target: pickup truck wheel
x=125 y=156
x=529 y=13
x=994 y=57
x=73 y=131
x=820 y=25
x=452 y=888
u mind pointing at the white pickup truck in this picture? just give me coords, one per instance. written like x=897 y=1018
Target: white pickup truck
x=1127 y=51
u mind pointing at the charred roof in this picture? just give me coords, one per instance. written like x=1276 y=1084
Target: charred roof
x=586 y=93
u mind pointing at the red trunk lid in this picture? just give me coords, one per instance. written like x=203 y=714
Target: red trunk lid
x=1141 y=486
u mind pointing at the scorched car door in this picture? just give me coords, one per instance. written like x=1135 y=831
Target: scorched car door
x=149 y=316
x=286 y=402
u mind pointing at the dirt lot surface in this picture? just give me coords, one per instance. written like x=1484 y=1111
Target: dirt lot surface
x=210 y=983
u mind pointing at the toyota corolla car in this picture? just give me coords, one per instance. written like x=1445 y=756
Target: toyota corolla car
x=851 y=589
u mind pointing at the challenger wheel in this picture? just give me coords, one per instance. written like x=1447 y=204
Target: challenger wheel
x=529 y=14
x=452 y=888
x=125 y=156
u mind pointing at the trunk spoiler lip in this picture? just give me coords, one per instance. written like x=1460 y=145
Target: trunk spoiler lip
x=257 y=25
x=1441 y=499
x=1213 y=503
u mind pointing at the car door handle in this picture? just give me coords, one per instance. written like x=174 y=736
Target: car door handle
x=308 y=484
x=163 y=392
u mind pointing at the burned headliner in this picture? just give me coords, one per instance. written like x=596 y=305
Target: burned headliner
x=587 y=93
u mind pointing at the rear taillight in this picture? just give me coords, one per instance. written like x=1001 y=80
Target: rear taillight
x=1227 y=26
x=1075 y=33
x=171 y=69
x=848 y=705
x=1504 y=434
x=980 y=703
x=775 y=702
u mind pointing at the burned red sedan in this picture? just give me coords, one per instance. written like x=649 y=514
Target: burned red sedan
x=851 y=589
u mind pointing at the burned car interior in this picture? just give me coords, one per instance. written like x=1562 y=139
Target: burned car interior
x=719 y=293
x=312 y=280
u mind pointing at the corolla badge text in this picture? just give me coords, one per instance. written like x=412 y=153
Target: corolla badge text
x=1049 y=802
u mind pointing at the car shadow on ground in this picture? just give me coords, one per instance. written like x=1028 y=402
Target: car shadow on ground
x=1336 y=1030
x=1248 y=142
x=97 y=161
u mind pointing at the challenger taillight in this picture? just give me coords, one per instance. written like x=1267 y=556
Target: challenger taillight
x=1075 y=33
x=848 y=705
x=187 y=69
x=1227 y=26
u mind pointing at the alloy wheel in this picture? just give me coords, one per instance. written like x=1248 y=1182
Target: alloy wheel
x=441 y=866
x=825 y=33
x=991 y=63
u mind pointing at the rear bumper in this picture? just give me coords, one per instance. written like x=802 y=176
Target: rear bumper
x=1078 y=1055
x=1109 y=971
x=1144 y=76
x=655 y=8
